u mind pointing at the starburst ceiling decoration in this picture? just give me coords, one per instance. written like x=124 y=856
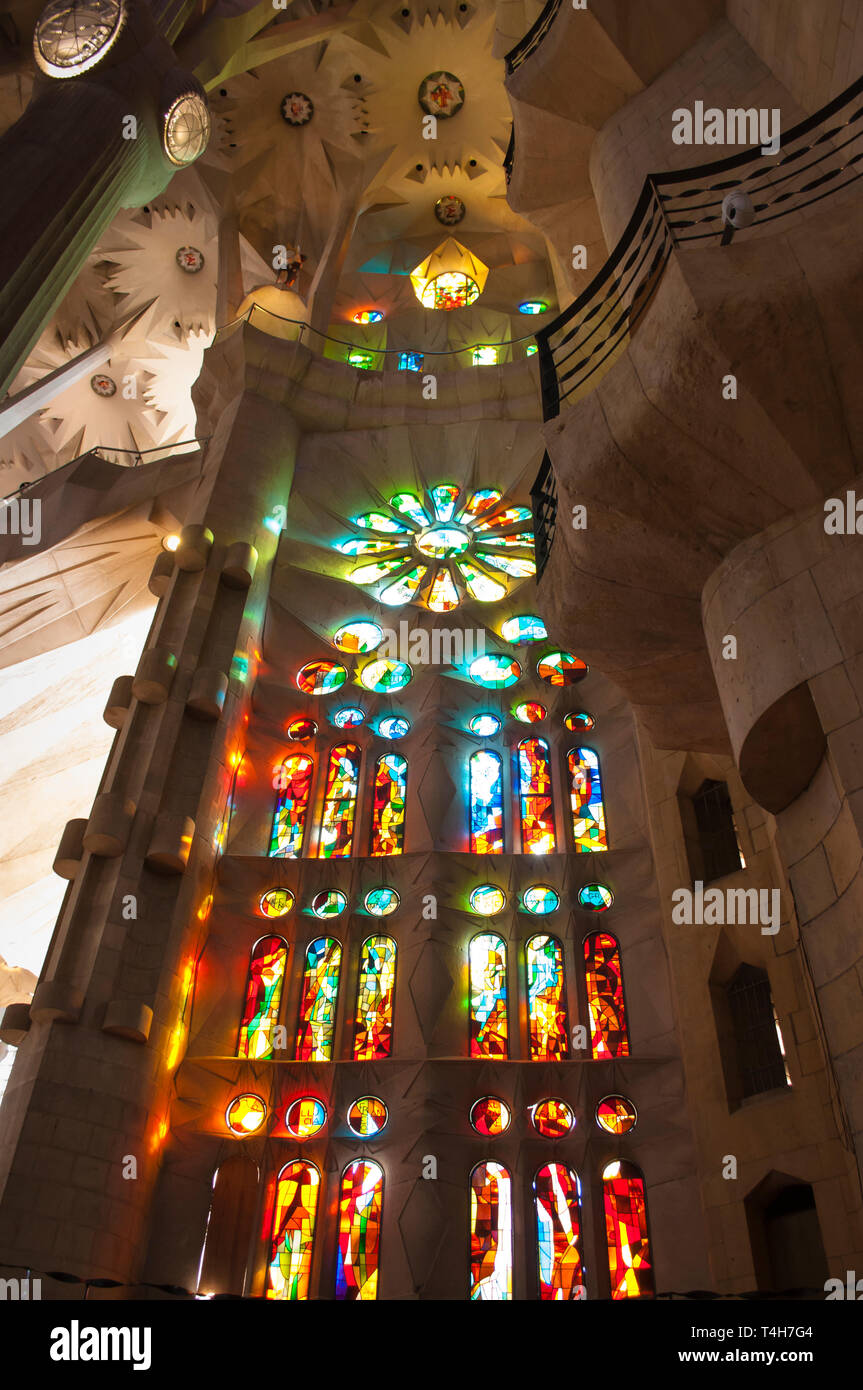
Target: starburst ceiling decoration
x=143 y=250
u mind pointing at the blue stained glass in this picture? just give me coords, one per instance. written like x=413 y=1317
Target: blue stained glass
x=394 y=726
x=486 y=803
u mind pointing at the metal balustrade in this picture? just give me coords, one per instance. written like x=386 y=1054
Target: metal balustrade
x=533 y=38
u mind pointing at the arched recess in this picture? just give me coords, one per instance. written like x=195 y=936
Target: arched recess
x=749 y=1035
x=785 y=1235
x=230 y=1220
x=783 y=750
x=711 y=832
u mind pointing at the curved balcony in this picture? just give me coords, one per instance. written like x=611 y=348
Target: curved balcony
x=533 y=38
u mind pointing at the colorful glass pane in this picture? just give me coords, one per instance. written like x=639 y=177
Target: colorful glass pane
x=561 y=668
x=340 y=802
x=486 y=803
x=394 y=726
x=361 y=636
x=616 y=1115
x=580 y=720
x=525 y=628
x=443 y=595
x=373 y=1036
x=406 y=587
x=484 y=356
x=385 y=675
x=517 y=567
x=488 y=1022
x=290 y=1260
x=264 y=984
x=519 y=540
x=552 y=1118
x=330 y=903
x=305 y=1117
x=588 y=811
x=629 y=1258
x=388 y=809
x=360 y=1211
x=486 y=725
x=294 y=779
x=557 y=1194
x=367 y=1117
x=318 y=1000
x=506 y=518
x=301 y=729
x=490 y=1233
x=540 y=899
x=370 y=574
x=321 y=677
x=410 y=361
x=444 y=499
x=595 y=897
x=277 y=902
x=245 y=1115
x=364 y=545
x=494 y=671
x=482 y=501
x=487 y=900
x=537 y=808
x=480 y=586
x=546 y=1000
x=490 y=1116
x=378 y=521
x=605 y=1004
x=349 y=717
x=530 y=712
x=451 y=290
x=442 y=542
x=409 y=505
x=380 y=902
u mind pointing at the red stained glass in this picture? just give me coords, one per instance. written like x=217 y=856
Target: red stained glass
x=388 y=811
x=293 y=781
x=373 y=1037
x=263 y=997
x=293 y=1235
x=588 y=811
x=340 y=802
x=537 y=808
x=606 y=1008
x=629 y=1260
x=318 y=1002
x=360 y=1212
x=490 y=1233
x=558 y=1221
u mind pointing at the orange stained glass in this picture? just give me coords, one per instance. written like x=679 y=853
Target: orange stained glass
x=490 y=1233
x=292 y=1242
x=359 y=1243
x=629 y=1258
x=488 y=1020
x=264 y=984
x=557 y=1196
x=537 y=809
x=605 y=1003
x=373 y=1037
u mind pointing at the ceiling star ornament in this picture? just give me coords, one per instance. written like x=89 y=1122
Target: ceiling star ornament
x=441 y=94
x=190 y=259
x=297 y=108
x=449 y=210
x=450 y=278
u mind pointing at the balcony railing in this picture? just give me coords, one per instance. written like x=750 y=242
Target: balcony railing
x=543 y=500
x=533 y=38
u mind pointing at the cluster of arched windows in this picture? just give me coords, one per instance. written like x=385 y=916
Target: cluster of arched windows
x=339 y=810
x=536 y=818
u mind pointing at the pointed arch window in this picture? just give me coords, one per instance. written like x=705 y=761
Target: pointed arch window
x=629 y=1259
x=264 y=984
x=373 y=1037
x=605 y=1003
x=294 y=782
x=535 y=798
x=486 y=802
x=292 y=1241
x=546 y=999
x=318 y=1001
x=488 y=1020
x=388 y=810
x=222 y=1267
x=340 y=802
x=360 y=1212
x=557 y=1197
x=588 y=810
x=490 y=1233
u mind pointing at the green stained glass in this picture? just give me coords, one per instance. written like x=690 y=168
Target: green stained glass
x=370 y=574
x=445 y=498
x=480 y=586
x=517 y=567
x=378 y=521
x=405 y=588
x=409 y=505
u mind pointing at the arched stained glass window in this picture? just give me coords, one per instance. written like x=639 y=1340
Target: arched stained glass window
x=629 y=1261
x=294 y=783
x=588 y=811
x=290 y=1262
x=546 y=1000
x=373 y=1037
x=340 y=802
x=486 y=803
x=537 y=807
x=318 y=1001
x=490 y=1233
x=360 y=1211
x=605 y=1005
x=557 y=1194
x=488 y=1022
x=264 y=984
x=388 y=811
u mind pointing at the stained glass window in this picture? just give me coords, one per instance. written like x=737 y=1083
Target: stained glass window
x=486 y=725
x=385 y=675
x=361 y=636
x=494 y=671
x=487 y=900
x=588 y=812
x=606 y=1008
x=490 y=1116
x=410 y=505
x=277 y=902
x=340 y=802
x=329 y=903
x=505 y=518
x=480 y=586
x=380 y=902
x=245 y=1115
x=294 y=781
x=360 y=1211
x=488 y=1023
x=490 y=1233
x=373 y=1037
x=527 y=627
x=557 y=1195
x=367 y=1117
x=486 y=803
x=517 y=567
x=539 y=899
x=595 y=897
x=263 y=996
x=388 y=810
x=537 y=808
x=616 y=1115
x=406 y=587
x=629 y=1260
x=482 y=501
x=349 y=717
x=444 y=498
x=290 y=1261
x=394 y=726
x=443 y=595
x=529 y=712
x=546 y=995
x=561 y=668
x=300 y=729
x=305 y=1117
x=579 y=720
x=318 y=1002
x=552 y=1118
x=321 y=677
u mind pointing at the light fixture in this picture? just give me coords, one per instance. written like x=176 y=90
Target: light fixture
x=533 y=306
x=450 y=278
x=170 y=542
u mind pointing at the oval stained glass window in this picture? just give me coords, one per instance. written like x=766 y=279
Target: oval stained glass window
x=277 y=902
x=561 y=668
x=480 y=586
x=349 y=717
x=616 y=1114
x=300 y=729
x=490 y=1116
x=552 y=1118
x=394 y=726
x=380 y=902
x=245 y=1115
x=516 y=568
x=529 y=712
x=330 y=903
x=494 y=671
x=595 y=897
x=540 y=899
x=305 y=1116
x=367 y=1117
x=321 y=677
x=384 y=675
x=487 y=900
x=581 y=720
x=525 y=628
x=486 y=725
x=406 y=587
x=361 y=636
